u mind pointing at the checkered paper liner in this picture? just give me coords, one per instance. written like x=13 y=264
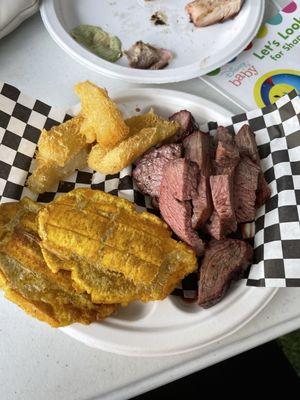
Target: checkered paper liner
x=276 y=228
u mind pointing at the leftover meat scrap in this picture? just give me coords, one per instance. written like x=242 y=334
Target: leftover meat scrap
x=145 y=56
x=209 y=12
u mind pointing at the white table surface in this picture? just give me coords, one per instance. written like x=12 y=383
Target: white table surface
x=37 y=362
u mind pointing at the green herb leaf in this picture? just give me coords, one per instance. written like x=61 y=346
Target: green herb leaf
x=98 y=41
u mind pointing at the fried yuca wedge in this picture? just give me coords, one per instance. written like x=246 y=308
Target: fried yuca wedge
x=114 y=160
x=28 y=281
x=103 y=121
x=61 y=150
x=147 y=120
x=115 y=253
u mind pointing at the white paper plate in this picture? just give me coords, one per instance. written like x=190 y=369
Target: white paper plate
x=197 y=50
x=171 y=326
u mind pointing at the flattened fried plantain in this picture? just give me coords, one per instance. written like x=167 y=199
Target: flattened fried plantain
x=119 y=254
x=28 y=281
x=6 y=217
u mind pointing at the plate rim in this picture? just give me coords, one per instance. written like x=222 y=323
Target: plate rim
x=103 y=343
x=108 y=347
x=83 y=56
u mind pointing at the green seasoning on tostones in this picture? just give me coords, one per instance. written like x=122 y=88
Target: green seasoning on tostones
x=27 y=281
x=98 y=41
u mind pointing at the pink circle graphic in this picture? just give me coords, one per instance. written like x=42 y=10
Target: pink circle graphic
x=290 y=8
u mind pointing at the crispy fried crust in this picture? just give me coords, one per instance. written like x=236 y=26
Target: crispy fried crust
x=38 y=310
x=118 y=254
x=139 y=122
x=61 y=142
x=61 y=150
x=65 y=147
x=103 y=121
x=9 y=210
x=27 y=281
x=2 y=280
x=146 y=131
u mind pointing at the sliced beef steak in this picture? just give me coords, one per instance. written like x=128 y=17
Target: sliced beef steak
x=263 y=192
x=197 y=149
x=218 y=228
x=245 y=140
x=223 y=135
x=176 y=213
x=245 y=186
x=246 y=175
x=202 y=203
x=245 y=210
x=149 y=169
x=226 y=159
x=224 y=260
x=182 y=176
x=187 y=123
x=155 y=203
x=223 y=219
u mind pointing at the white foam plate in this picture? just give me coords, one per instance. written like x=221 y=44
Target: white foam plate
x=171 y=326
x=197 y=51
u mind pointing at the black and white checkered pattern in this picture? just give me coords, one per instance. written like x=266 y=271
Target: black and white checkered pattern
x=277 y=130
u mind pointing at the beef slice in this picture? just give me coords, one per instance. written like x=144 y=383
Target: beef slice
x=245 y=187
x=224 y=260
x=149 y=169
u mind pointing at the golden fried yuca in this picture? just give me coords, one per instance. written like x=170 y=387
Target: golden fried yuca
x=116 y=254
x=28 y=281
x=61 y=150
x=147 y=120
x=114 y=160
x=103 y=121
x=65 y=147
x=62 y=142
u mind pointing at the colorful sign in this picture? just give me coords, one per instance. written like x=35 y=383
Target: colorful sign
x=269 y=67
